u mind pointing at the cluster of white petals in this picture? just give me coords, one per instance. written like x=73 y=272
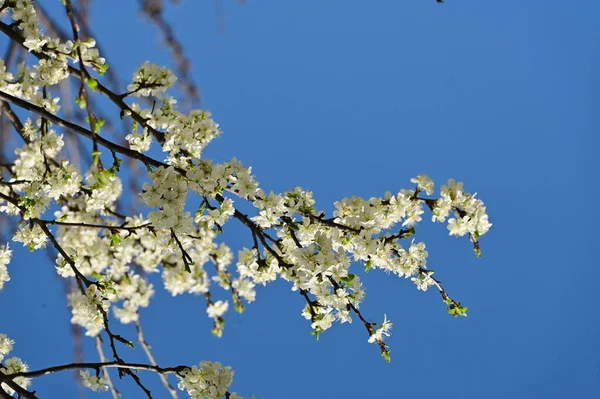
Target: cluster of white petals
x=111 y=255
x=470 y=216
x=5 y=255
x=32 y=236
x=209 y=381
x=93 y=382
x=382 y=331
x=150 y=80
x=88 y=309
x=11 y=365
x=6 y=345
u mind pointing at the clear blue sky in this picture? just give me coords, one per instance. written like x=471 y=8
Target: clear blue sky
x=354 y=98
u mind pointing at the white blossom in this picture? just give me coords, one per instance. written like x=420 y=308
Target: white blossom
x=31 y=236
x=6 y=345
x=11 y=366
x=93 y=382
x=382 y=331
x=217 y=309
x=5 y=255
x=150 y=79
x=209 y=381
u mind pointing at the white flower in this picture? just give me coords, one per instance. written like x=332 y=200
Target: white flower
x=5 y=255
x=94 y=383
x=423 y=281
x=6 y=345
x=209 y=381
x=217 y=309
x=11 y=366
x=382 y=331
x=87 y=311
x=150 y=79
x=139 y=142
x=424 y=183
x=32 y=237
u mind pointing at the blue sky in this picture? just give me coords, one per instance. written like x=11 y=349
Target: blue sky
x=355 y=98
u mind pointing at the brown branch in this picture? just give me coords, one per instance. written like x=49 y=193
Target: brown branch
x=83 y=131
x=112 y=96
x=95 y=366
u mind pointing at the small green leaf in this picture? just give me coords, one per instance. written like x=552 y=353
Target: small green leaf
x=368 y=265
x=348 y=279
x=456 y=310
x=386 y=355
x=98 y=125
x=115 y=239
x=92 y=83
x=80 y=102
x=102 y=69
x=96 y=275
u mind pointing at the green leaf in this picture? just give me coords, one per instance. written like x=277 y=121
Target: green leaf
x=386 y=355
x=368 y=265
x=80 y=102
x=96 y=275
x=239 y=308
x=98 y=125
x=456 y=310
x=115 y=239
x=102 y=69
x=92 y=83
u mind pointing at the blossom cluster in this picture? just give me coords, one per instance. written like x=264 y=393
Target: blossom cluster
x=470 y=216
x=54 y=56
x=209 y=381
x=89 y=309
x=5 y=255
x=111 y=255
x=151 y=80
x=185 y=135
x=93 y=382
x=11 y=365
